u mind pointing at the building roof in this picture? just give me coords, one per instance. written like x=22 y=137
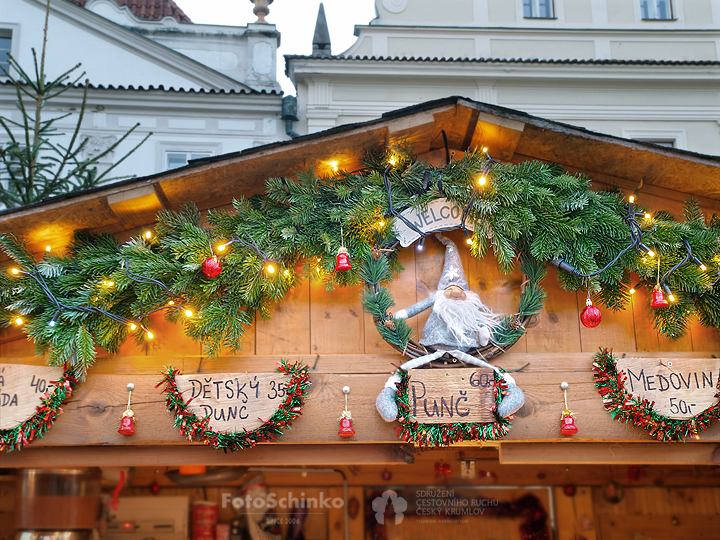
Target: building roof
x=149 y=9
x=665 y=174
x=591 y=61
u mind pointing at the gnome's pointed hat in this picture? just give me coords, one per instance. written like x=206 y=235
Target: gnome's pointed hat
x=453 y=272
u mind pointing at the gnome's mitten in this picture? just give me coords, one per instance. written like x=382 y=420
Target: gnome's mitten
x=385 y=402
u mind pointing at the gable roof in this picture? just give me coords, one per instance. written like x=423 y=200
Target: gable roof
x=149 y=9
x=665 y=173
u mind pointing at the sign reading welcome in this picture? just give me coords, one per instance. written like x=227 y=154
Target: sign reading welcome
x=448 y=396
x=440 y=215
x=233 y=401
x=21 y=388
x=680 y=388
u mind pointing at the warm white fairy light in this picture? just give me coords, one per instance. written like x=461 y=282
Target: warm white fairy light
x=18 y=321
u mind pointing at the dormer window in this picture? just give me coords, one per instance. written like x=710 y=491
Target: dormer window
x=538 y=9
x=5 y=43
x=656 y=10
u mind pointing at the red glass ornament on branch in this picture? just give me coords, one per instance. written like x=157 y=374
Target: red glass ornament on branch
x=342 y=261
x=590 y=316
x=658 y=298
x=212 y=267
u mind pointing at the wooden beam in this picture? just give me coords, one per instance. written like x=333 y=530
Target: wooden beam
x=196 y=454
x=571 y=452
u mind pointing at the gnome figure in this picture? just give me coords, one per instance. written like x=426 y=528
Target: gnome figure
x=459 y=322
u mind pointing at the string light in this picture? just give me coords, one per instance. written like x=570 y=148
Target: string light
x=148 y=234
x=391 y=161
x=632 y=291
x=133 y=326
x=188 y=313
x=48 y=248
x=171 y=303
x=270 y=268
x=631 y=199
x=286 y=272
x=221 y=247
x=381 y=223
x=703 y=267
x=54 y=319
x=482 y=180
x=650 y=253
x=334 y=166
x=485 y=149
x=469 y=241
x=18 y=321
x=150 y=335
x=647 y=215
x=421 y=244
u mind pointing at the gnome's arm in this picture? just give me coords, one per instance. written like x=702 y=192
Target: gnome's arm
x=413 y=310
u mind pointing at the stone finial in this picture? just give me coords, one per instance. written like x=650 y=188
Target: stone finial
x=321 y=38
x=261 y=9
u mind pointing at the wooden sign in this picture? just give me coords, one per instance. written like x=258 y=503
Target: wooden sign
x=680 y=388
x=21 y=388
x=447 y=396
x=233 y=401
x=441 y=215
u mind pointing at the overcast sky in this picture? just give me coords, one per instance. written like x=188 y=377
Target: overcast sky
x=295 y=19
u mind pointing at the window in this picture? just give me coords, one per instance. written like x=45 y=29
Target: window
x=179 y=158
x=671 y=138
x=538 y=9
x=655 y=10
x=5 y=42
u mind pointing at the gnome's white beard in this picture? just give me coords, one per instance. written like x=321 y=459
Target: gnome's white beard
x=464 y=318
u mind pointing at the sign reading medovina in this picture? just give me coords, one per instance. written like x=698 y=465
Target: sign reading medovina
x=233 y=401
x=449 y=396
x=21 y=388
x=680 y=388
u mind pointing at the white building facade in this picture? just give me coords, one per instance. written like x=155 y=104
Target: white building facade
x=638 y=69
x=201 y=90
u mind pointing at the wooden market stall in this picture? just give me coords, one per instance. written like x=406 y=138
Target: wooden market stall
x=666 y=489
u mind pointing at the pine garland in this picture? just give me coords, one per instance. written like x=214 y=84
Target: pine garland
x=198 y=429
x=38 y=424
x=625 y=408
x=438 y=435
x=530 y=211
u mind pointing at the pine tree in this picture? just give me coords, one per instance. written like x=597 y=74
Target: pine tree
x=34 y=167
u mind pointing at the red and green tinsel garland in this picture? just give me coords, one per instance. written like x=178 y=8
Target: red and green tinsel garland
x=437 y=435
x=198 y=429
x=38 y=424
x=624 y=407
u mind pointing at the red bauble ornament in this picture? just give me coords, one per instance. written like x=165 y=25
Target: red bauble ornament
x=343 y=261
x=591 y=315
x=658 y=298
x=212 y=267
x=442 y=468
x=386 y=475
x=570 y=490
x=155 y=487
x=346 y=427
x=127 y=424
x=568 y=426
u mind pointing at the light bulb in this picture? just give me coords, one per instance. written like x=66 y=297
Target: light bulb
x=48 y=248
x=51 y=324
x=188 y=313
x=109 y=283
x=150 y=335
x=381 y=223
x=286 y=272
x=485 y=149
x=482 y=181
x=148 y=234
x=703 y=267
x=334 y=165
x=317 y=269
x=14 y=271
x=671 y=297
x=270 y=268
x=469 y=241
x=631 y=198
x=391 y=160
x=632 y=291
x=171 y=302
x=651 y=253
x=647 y=216
x=133 y=326
x=18 y=321
x=221 y=247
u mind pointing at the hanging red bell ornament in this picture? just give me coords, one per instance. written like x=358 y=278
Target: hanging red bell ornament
x=342 y=260
x=155 y=487
x=386 y=475
x=567 y=427
x=590 y=316
x=442 y=468
x=346 y=426
x=212 y=267
x=127 y=422
x=658 y=298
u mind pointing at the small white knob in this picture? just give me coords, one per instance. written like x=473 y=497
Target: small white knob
x=130 y=387
x=346 y=389
x=564 y=385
